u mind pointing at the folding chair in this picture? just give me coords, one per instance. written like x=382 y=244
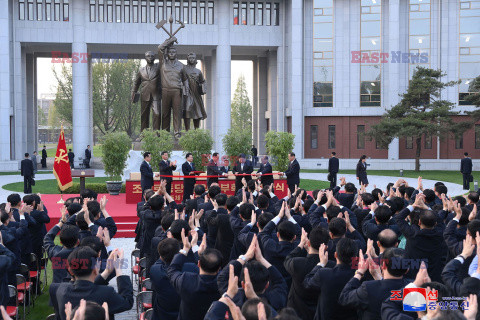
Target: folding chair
x=22 y=288
x=147 y=285
x=134 y=260
x=43 y=267
x=51 y=317
x=147 y=315
x=27 y=285
x=142 y=264
x=35 y=274
x=12 y=311
x=144 y=299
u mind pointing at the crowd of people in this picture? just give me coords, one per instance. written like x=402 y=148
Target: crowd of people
x=339 y=253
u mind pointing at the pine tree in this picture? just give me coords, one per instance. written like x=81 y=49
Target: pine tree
x=241 y=109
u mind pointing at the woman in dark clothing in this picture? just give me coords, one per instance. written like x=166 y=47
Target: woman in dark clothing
x=362 y=171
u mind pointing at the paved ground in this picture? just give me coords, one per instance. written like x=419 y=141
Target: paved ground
x=382 y=181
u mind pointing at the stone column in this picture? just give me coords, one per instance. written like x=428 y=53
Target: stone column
x=276 y=122
x=255 y=117
x=80 y=85
x=262 y=103
x=223 y=75
x=30 y=143
x=5 y=80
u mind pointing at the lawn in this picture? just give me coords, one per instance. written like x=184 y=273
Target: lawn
x=52 y=149
x=311 y=185
x=438 y=175
x=49 y=186
x=14 y=173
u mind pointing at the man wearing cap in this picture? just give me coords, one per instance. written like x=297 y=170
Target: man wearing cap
x=242 y=166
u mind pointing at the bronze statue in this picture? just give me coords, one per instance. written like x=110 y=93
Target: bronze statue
x=174 y=85
x=148 y=78
x=193 y=102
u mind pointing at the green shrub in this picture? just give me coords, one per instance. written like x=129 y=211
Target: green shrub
x=236 y=142
x=156 y=141
x=278 y=145
x=198 y=142
x=115 y=148
x=97 y=187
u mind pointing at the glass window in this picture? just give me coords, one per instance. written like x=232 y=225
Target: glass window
x=370 y=43
x=276 y=14
x=268 y=14
x=109 y=10
x=428 y=141
x=194 y=12
x=244 y=13
x=178 y=12
x=252 y=13
x=419 y=35
x=100 y=10
x=39 y=10
x=409 y=143
x=48 y=10
x=331 y=137
x=143 y=11
x=126 y=11
x=56 y=8
x=360 y=137
x=135 y=11
x=477 y=136
x=169 y=10
x=235 y=13
x=118 y=10
x=202 y=12
x=313 y=137
x=92 y=11
x=210 y=12
x=459 y=141
x=30 y=9
x=66 y=16
x=21 y=10
x=152 y=11
x=259 y=14
x=186 y=11
x=160 y=11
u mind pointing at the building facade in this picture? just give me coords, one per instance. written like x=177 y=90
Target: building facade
x=325 y=70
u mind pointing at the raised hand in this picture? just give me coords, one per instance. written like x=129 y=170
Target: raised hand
x=40 y=206
x=119 y=262
x=471 y=312
x=303 y=239
x=186 y=244
x=103 y=203
x=362 y=264
x=8 y=207
x=100 y=233
x=194 y=241
x=374 y=268
x=248 y=286
x=203 y=244
x=215 y=204
x=252 y=248
x=253 y=219
x=422 y=276
x=473 y=213
x=232 y=282
x=323 y=254
x=468 y=246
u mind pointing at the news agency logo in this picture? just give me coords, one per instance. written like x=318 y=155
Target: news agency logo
x=419 y=299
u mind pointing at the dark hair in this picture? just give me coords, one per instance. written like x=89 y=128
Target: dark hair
x=74 y=208
x=465 y=154
x=334 y=153
x=317 y=236
x=346 y=249
x=148 y=194
x=214 y=154
x=68 y=150
x=350 y=187
x=190 y=205
x=387 y=238
x=409 y=191
x=473 y=227
x=93 y=311
x=176 y=228
x=262 y=201
x=307 y=204
x=93 y=242
x=251 y=185
x=443 y=290
x=245 y=210
x=263 y=219
x=4 y=215
x=362 y=157
x=156 y=202
x=375 y=193
x=332 y=212
x=213 y=191
x=210 y=260
x=286 y=230
x=473 y=196
x=428 y=218
x=28 y=199
x=337 y=226
x=163 y=152
x=429 y=195
x=393 y=259
x=304 y=196
x=259 y=275
x=80 y=220
x=167 y=221
x=250 y=308
x=146 y=154
x=367 y=199
x=383 y=214
x=464 y=217
x=87 y=193
x=188 y=155
x=93 y=208
x=392 y=205
x=14 y=199
x=27 y=154
x=221 y=199
x=69 y=236
x=441 y=189
x=292 y=154
x=81 y=261
x=389 y=185
x=287 y=313
x=460 y=199
x=167 y=249
x=199 y=189
x=399 y=203
x=232 y=202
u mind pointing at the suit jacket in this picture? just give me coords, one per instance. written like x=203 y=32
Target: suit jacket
x=149 y=81
x=71 y=157
x=82 y=289
x=44 y=154
x=293 y=173
x=26 y=168
x=166 y=301
x=225 y=169
x=466 y=166
x=151 y=220
x=333 y=165
x=197 y=291
x=247 y=168
x=266 y=168
x=58 y=255
x=213 y=170
x=188 y=182
x=39 y=230
x=146 y=175
x=166 y=170
x=7 y=259
x=88 y=153
x=361 y=171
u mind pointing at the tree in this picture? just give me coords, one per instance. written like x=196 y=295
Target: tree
x=62 y=105
x=115 y=149
x=278 y=145
x=420 y=112
x=241 y=109
x=155 y=142
x=42 y=118
x=474 y=97
x=199 y=142
x=236 y=142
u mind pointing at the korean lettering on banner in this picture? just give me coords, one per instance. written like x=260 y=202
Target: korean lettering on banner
x=279 y=186
x=224 y=187
x=137 y=188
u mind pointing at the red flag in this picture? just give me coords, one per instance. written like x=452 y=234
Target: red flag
x=61 y=165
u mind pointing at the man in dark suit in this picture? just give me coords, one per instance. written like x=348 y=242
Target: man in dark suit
x=7 y=259
x=333 y=166
x=166 y=169
x=44 y=157
x=71 y=158
x=88 y=156
x=265 y=172
x=466 y=169
x=226 y=166
x=292 y=173
x=146 y=172
x=188 y=169
x=242 y=166
x=26 y=170
x=254 y=155
x=213 y=170
x=86 y=286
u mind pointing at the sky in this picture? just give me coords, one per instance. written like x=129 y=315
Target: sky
x=46 y=82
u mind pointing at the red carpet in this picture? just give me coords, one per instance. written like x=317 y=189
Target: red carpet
x=125 y=215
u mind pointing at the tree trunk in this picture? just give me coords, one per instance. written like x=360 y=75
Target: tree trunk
x=418 y=142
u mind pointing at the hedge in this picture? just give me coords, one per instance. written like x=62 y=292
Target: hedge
x=97 y=187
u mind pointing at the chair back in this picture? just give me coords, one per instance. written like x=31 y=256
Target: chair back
x=149 y=314
x=50 y=317
x=147 y=284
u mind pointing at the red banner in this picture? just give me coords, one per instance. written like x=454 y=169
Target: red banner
x=61 y=165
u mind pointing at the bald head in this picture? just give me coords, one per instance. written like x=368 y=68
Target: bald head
x=387 y=239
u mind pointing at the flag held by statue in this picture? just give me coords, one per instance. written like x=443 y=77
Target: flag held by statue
x=61 y=165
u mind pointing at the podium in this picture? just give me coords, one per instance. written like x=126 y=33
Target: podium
x=82 y=174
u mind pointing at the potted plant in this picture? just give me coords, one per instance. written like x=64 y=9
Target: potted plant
x=115 y=149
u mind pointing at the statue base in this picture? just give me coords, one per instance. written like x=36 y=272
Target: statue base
x=137 y=145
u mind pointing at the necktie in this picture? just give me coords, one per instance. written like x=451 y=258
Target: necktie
x=191 y=165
